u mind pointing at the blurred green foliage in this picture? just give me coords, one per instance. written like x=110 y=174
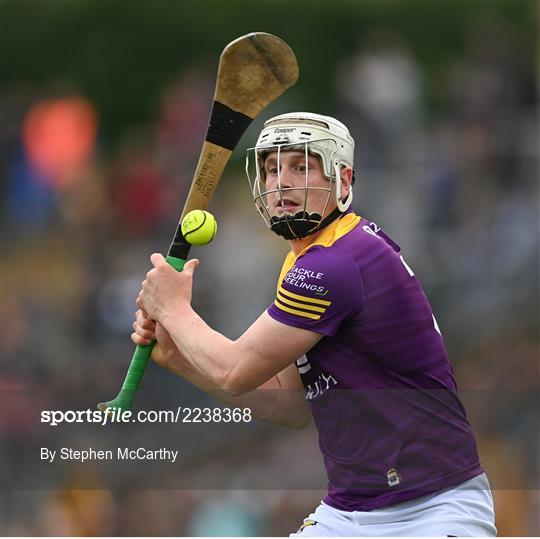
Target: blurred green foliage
x=122 y=53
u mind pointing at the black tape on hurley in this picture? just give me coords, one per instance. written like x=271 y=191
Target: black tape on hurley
x=226 y=126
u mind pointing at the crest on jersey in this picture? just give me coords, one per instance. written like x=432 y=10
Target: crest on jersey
x=306 y=524
x=393 y=476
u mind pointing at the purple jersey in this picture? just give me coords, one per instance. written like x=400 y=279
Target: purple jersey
x=380 y=386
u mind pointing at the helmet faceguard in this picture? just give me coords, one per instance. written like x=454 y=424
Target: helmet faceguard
x=313 y=134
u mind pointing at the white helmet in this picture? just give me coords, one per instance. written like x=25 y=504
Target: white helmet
x=322 y=136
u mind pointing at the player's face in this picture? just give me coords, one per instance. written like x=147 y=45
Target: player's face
x=292 y=183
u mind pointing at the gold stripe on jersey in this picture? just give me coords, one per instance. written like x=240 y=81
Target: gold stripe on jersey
x=296 y=312
x=305 y=306
x=305 y=299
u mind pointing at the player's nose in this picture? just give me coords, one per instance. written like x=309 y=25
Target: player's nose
x=286 y=178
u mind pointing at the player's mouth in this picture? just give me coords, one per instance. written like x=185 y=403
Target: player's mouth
x=287 y=205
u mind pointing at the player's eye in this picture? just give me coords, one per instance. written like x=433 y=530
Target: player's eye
x=272 y=171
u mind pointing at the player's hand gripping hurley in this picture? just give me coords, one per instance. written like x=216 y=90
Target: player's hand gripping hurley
x=253 y=70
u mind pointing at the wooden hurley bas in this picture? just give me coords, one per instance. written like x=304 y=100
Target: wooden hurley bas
x=253 y=71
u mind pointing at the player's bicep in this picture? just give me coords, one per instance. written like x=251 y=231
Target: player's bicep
x=266 y=349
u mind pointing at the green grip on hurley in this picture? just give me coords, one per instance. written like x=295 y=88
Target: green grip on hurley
x=139 y=361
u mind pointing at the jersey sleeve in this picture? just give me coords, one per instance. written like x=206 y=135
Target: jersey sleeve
x=320 y=291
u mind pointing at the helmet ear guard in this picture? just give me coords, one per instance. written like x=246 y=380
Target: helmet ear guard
x=343 y=206
x=321 y=136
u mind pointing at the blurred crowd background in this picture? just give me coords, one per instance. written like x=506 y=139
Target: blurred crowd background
x=104 y=107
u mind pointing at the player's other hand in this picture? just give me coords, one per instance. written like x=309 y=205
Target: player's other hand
x=144 y=329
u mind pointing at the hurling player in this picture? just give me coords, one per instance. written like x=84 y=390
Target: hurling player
x=352 y=327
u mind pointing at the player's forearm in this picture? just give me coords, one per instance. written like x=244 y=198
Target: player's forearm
x=279 y=405
x=264 y=350
x=276 y=401
x=210 y=354
x=269 y=403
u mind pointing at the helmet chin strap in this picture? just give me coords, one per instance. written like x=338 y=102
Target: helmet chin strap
x=301 y=224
